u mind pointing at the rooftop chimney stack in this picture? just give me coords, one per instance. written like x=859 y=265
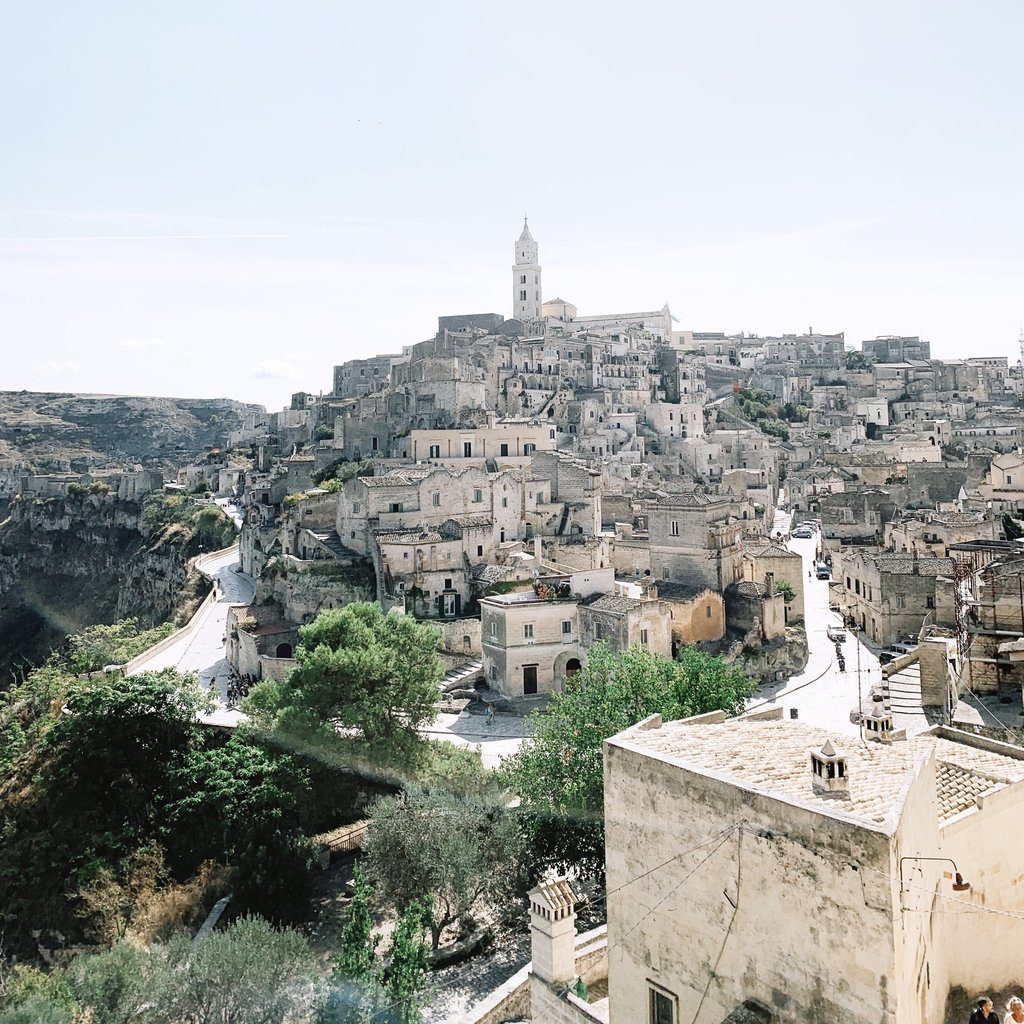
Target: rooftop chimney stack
x=553 y=931
x=828 y=771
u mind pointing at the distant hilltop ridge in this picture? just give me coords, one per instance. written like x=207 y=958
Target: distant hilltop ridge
x=57 y=430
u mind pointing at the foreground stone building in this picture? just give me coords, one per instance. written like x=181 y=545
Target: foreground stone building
x=809 y=882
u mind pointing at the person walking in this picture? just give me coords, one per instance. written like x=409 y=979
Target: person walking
x=984 y=1012
x=489 y=716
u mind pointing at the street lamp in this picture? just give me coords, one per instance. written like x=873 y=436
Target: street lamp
x=959 y=885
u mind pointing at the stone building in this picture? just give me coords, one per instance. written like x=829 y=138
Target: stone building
x=810 y=882
x=890 y=595
x=785 y=566
x=929 y=532
x=694 y=539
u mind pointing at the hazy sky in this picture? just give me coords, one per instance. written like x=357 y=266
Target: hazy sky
x=227 y=198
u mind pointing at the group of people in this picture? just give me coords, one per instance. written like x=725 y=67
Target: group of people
x=985 y=1012
x=237 y=689
x=840 y=660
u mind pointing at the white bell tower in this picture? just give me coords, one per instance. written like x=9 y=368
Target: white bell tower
x=526 y=293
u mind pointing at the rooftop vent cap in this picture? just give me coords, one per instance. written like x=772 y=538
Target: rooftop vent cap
x=829 y=775
x=878 y=724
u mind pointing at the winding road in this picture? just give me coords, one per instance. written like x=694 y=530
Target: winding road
x=199 y=647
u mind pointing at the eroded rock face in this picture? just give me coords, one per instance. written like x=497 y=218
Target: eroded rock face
x=60 y=431
x=66 y=563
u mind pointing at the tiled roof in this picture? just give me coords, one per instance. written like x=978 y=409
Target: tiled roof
x=613 y=603
x=557 y=893
x=769 y=551
x=417 y=536
x=773 y=758
x=907 y=564
x=958 y=789
x=957 y=518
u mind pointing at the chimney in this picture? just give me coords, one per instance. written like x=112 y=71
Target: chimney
x=538 y=548
x=553 y=931
x=769 y=584
x=878 y=723
x=828 y=771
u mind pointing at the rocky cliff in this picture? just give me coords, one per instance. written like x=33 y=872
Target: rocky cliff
x=66 y=563
x=60 y=431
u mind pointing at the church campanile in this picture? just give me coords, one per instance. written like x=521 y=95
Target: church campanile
x=526 y=294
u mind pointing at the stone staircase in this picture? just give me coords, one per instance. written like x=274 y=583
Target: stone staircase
x=462 y=677
x=902 y=692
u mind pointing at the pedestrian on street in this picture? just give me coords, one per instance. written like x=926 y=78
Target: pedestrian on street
x=984 y=1012
x=489 y=716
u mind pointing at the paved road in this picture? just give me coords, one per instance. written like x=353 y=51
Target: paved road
x=821 y=694
x=495 y=742
x=201 y=651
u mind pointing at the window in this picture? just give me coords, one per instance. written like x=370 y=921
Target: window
x=567 y=627
x=494 y=628
x=522 y=279
x=478 y=495
x=355 y=506
x=643 y=637
x=663 y=1007
x=467 y=449
x=522 y=295
x=675 y=527
x=479 y=551
x=528 y=631
x=435 y=452
x=529 y=449
x=929 y=602
x=504 y=449
x=435 y=499
x=447 y=584
x=551 y=433
x=707 y=611
x=901 y=600
x=664 y=573
x=494 y=672
x=396 y=506
x=504 y=502
x=448 y=604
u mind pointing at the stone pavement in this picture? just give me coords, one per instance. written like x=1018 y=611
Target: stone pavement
x=496 y=741
x=821 y=694
x=453 y=990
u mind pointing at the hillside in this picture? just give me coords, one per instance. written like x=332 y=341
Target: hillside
x=52 y=431
x=66 y=563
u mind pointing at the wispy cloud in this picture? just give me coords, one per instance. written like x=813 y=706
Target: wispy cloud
x=56 y=366
x=275 y=369
x=143 y=344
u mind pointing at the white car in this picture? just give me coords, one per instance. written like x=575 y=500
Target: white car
x=802 y=533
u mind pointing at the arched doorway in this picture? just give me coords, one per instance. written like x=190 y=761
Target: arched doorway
x=572 y=666
x=284 y=651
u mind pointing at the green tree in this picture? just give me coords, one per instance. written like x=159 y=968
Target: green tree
x=560 y=769
x=239 y=802
x=95 y=647
x=249 y=973
x=785 y=588
x=118 y=985
x=362 y=669
x=357 y=958
x=406 y=976
x=460 y=852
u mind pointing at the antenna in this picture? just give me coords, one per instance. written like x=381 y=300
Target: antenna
x=1020 y=340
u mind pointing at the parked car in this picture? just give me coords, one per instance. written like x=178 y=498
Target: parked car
x=885 y=657
x=822 y=571
x=803 y=533
x=836 y=634
x=904 y=648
